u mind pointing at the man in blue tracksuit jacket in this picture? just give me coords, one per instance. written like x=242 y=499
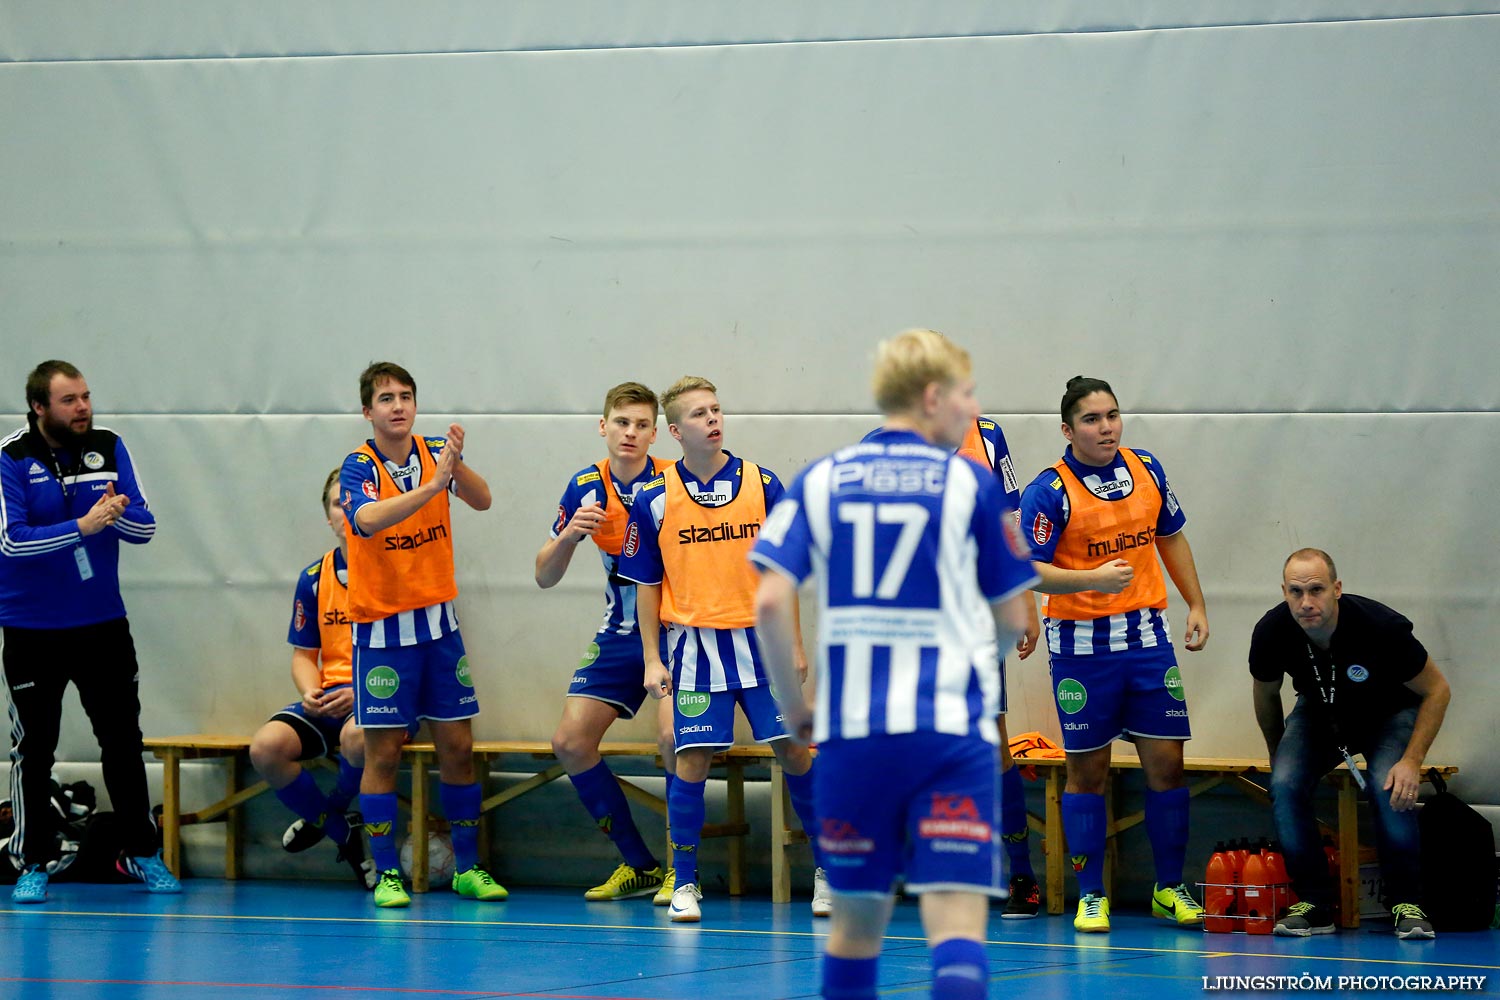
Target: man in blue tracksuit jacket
x=68 y=497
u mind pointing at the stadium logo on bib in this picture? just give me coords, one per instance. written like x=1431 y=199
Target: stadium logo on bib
x=589 y=655
x=462 y=672
x=1357 y=673
x=1071 y=696
x=93 y=460
x=382 y=682
x=1173 y=681
x=692 y=703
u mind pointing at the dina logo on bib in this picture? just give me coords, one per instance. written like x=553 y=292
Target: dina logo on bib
x=1172 y=680
x=589 y=655
x=93 y=460
x=693 y=703
x=382 y=682
x=462 y=672
x=1357 y=673
x=1071 y=696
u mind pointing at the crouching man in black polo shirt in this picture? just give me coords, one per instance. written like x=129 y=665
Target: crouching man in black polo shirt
x=1365 y=685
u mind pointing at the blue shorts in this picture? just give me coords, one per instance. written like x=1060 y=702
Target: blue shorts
x=919 y=803
x=397 y=687
x=319 y=733
x=613 y=671
x=706 y=719
x=1101 y=698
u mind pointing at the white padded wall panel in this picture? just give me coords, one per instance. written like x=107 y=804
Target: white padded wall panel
x=1313 y=203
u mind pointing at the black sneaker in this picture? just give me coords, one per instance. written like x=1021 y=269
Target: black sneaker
x=1411 y=923
x=1304 y=920
x=352 y=853
x=1025 y=899
x=300 y=836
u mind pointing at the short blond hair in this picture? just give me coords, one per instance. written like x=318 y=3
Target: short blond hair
x=680 y=388
x=906 y=364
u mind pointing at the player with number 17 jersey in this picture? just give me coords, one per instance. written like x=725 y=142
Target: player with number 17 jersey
x=912 y=544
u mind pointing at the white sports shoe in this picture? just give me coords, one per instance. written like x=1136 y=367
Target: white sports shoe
x=822 y=901
x=685 y=908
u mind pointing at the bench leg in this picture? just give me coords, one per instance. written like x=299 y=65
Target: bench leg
x=781 y=876
x=420 y=808
x=735 y=793
x=171 y=809
x=234 y=826
x=1056 y=848
x=1348 y=851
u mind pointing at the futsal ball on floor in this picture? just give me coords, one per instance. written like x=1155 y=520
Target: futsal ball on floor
x=439 y=858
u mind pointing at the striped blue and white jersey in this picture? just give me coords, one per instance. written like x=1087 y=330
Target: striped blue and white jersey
x=911 y=545
x=1045 y=513
x=586 y=487
x=359 y=486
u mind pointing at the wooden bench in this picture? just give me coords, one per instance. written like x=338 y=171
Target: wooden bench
x=234 y=751
x=1203 y=773
x=734 y=761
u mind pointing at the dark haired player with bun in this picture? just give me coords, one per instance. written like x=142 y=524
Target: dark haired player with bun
x=1097 y=520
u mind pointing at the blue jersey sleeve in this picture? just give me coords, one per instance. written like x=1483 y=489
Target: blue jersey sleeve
x=359 y=484
x=785 y=542
x=585 y=487
x=774 y=489
x=1005 y=468
x=1004 y=561
x=1042 y=514
x=18 y=536
x=1171 y=520
x=640 y=557
x=303 y=632
x=137 y=524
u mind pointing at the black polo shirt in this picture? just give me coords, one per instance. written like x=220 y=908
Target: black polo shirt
x=1371 y=656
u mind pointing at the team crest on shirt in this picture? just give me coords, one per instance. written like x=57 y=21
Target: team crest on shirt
x=632 y=540
x=93 y=460
x=1357 y=673
x=299 y=616
x=370 y=490
x=562 y=519
x=1041 y=528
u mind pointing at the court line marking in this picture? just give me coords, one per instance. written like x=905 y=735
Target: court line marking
x=1102 y=947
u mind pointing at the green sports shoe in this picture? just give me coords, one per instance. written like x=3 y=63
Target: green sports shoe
x=390 y=891
x=476 y=883
x=663 y=895
x=1175 y=903
x=628 y=882
x=1093 y=914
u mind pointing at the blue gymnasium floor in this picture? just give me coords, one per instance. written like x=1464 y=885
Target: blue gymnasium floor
x=236 y=940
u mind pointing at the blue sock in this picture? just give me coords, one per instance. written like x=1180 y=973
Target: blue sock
x=1013 y=830
x=960 y=970
x=306 y=799
x=346 y=787
x=685 y=812
x=848 y=978
x=461 y=807
x=380 y=824
x=1083 y=825
x=1167 y=826
x=602 y=796
x=800 y=789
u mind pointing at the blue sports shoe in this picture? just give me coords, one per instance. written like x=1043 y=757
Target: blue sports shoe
x=31 y=887
x=150 y=870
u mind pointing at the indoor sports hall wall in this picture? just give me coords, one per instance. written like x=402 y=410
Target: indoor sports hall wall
x=1278 y=240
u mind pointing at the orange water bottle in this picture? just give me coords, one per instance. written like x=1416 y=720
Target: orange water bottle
x=1282 y=895
x=1218 y=890
x=1256 y=896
